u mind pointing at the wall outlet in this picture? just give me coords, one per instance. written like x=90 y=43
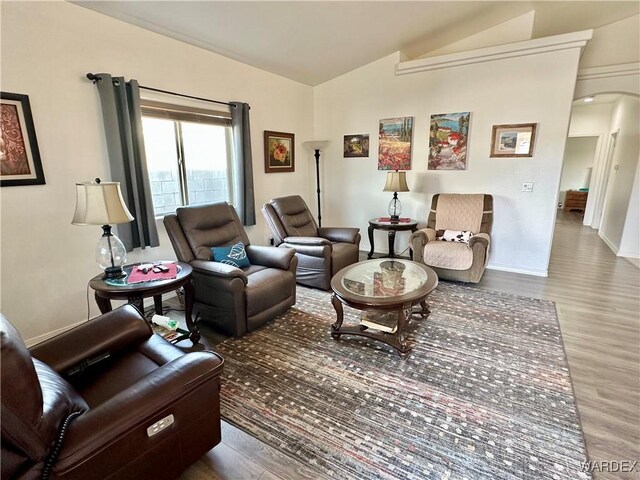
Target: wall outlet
x=527 y=187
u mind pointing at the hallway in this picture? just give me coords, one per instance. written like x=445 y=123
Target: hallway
x=597 y=297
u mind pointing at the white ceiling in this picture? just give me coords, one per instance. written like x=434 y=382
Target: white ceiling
x=315 y=41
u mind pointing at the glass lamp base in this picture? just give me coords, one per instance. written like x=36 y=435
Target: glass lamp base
x=114 y=272
x=395 y=208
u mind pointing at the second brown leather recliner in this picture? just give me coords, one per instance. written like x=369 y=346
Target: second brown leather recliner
x=321 y=252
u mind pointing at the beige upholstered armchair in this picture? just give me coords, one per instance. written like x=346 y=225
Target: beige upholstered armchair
x=452 y=260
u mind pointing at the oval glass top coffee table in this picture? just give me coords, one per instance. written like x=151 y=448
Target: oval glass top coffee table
x=387 y=290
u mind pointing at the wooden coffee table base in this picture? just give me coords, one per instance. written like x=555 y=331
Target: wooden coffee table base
x=397 y=340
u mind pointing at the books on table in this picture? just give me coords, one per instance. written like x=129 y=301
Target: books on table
x=384 y=322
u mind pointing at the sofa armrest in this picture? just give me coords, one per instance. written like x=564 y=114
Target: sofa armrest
x=104 y=335
x=137 y=406
x=271 y=257
x=217 y=269
x=419 y=239
x=318 y=251
x=340 y=234
x=306 y=241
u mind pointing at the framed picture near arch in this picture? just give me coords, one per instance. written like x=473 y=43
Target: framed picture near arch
x=279 y=152
x=20 y=162
x=515 y=140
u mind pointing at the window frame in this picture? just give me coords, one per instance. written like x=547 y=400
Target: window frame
x=179 y=114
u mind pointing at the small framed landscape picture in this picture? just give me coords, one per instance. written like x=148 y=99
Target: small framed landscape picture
x=513 y=140
x=279 y=152
x=356 y=145
x=20 y=162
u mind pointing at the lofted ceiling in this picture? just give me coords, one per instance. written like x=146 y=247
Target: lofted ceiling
x=315 y=41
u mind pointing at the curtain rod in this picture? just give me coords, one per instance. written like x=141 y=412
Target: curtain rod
x=95 y=78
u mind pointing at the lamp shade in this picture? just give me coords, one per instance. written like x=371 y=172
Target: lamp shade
x=100 y=204
x=396 y=182
x=317 y=144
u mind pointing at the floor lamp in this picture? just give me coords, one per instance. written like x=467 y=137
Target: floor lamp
x=316 y=146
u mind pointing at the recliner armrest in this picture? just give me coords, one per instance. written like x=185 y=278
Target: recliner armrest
x=482 y=238
x=137 y=406
x=306 y=241
x=339 y=234
x=418 y=240
x=217 y=269
x=318 y=251
x=111 y=332
x=272 y=257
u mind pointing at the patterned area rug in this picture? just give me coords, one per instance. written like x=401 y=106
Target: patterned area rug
x=485 y=394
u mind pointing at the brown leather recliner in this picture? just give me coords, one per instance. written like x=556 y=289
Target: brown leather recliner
x=238 y=300
x=98 y=389
x=321 y=252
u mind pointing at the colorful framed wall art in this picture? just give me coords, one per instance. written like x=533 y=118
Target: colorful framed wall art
x=448 y=138
x=356 y=146
x=279 y=152
x=513 y=140
x=395 y=138
x=20 y=162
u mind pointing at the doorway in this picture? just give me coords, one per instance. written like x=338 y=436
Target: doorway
x=579 y=157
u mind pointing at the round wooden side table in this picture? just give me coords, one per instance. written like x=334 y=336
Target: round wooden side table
x=392 y=227
x=135 y=293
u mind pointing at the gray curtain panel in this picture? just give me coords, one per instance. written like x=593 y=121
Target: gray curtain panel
x=243 y=163
x=120 y=102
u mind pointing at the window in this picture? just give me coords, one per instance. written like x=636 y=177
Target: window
x=188 y=155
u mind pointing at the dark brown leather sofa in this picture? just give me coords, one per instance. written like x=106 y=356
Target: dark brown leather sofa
x=321 y=252
x=115 y=379
x=238 y=300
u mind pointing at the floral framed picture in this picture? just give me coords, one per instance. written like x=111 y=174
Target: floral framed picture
x=513 y=140
x=356 y=146
x=20 y=162
x=279 y=152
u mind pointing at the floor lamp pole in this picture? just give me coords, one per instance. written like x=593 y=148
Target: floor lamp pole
x=317 y=155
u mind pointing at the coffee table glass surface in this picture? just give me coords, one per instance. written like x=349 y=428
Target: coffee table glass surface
x=384 y=278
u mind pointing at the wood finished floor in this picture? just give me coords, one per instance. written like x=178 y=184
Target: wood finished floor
x=598 y=300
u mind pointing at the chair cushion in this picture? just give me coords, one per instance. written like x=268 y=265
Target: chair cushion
x=209 y=226
x=451 y=255
x=295 y=216
x=231 y=255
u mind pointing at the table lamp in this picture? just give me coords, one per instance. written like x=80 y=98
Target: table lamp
x=396 y=182
x=101 y=203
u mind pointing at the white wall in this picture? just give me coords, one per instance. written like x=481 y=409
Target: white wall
x=630 y=242
x=47 y=48
x=578 y=157
x=612 y=44
x=625 y=118
x=536 y=88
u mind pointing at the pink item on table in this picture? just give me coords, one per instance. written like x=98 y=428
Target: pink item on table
x=138 y=276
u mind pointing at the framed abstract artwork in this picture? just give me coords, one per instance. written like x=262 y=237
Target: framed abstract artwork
x=513 y=140
x=20 y=162
x=448 y=138
x=395 y=137
x=356 y=146
x=279 y=152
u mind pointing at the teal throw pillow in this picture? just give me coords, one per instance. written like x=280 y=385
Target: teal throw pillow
x=232 y=255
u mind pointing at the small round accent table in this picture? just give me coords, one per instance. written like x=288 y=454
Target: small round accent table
x=392 y=227
x=119 y=289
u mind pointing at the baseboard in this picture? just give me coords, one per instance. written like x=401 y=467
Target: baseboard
x=622 y=253
x=609 y=243
x=147 y=302
x=522 y=271
x=46 y=336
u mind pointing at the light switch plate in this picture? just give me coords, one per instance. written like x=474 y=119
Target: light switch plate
x=527 y=187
